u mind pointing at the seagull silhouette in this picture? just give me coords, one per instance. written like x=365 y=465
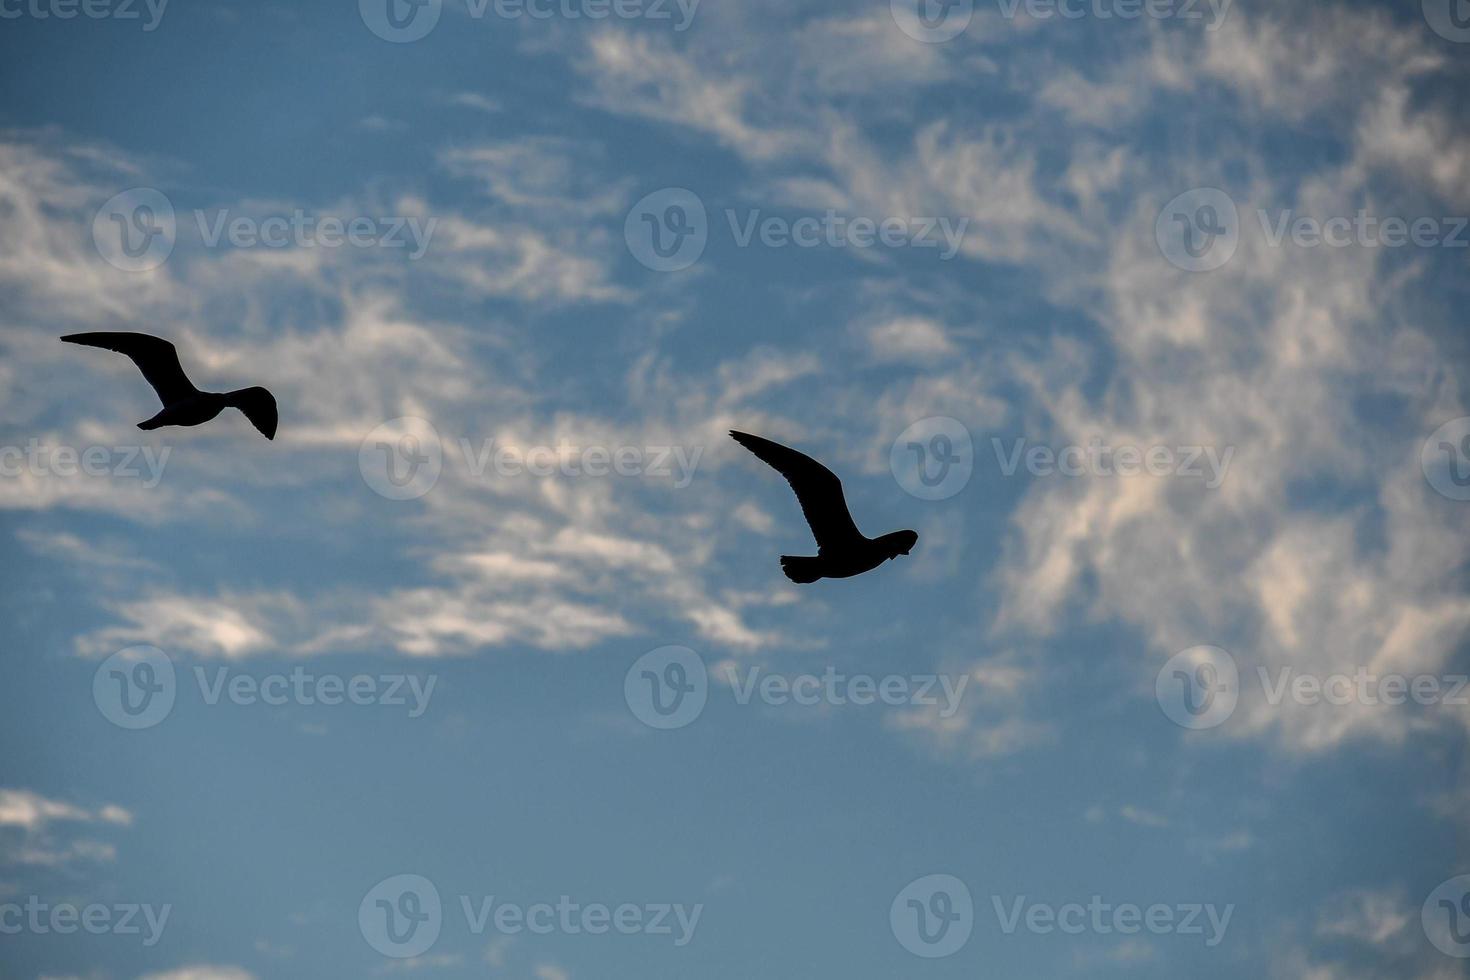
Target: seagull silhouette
x=842 y=550
x=183 y=404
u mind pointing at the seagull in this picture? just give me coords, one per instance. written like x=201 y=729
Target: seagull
x=842 y=550
x=183 y=404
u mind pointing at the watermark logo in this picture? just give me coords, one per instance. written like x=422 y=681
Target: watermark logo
x=401 y=916
x=1199 y=230
x=116 y=462
x=834 y=230
x=135 y=688
x=933 y=916
x=934 y=458
x=41 y=918
x=301 y=229
x=1362 y=230
x=932 y=21
x=667 y=688
x=135 y=230
x=1104 y=918
x=90 y=9
x=400 y=21
x=667 y=230
x=1206 y=463
x=1445 y=459
x=1446 y=917
x=835 y=688
x=1212 y=12
x=1198 y=688
x=402 y=458
x=1450 y=19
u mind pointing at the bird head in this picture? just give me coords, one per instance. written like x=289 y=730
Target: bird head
x=899 y=542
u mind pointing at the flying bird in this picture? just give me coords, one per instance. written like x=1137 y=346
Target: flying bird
x=842 y=550
x=183 y=404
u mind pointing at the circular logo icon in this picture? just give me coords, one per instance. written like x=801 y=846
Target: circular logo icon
x=1450 y=19
x=401 y=916
x=933 y=916
x=666 y=688
x=1446 y=917
x=932 y=21
x=400 y=21
x=933 y=458
x=1446 y=459
x=135 y=688
x=135 y=230
x=667 y=230
x=1199 y=687
x=402 y=458
x=1199 y=230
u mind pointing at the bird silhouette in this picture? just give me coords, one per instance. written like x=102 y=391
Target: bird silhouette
x=183 y=404
x=842 y=550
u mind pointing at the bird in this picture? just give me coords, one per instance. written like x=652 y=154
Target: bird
x=842 y=550
x=183 y=404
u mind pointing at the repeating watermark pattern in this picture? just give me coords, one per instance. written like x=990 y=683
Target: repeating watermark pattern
x=1445 y=916
x=142 y=463
x=1450 y=19
x=1211 y=13
x=1361 y=230
x=934 y=458
x=932 y=916
x=668 y=688
x=1200 y=688
x=932 y=21
x=403 y=916
x=403 y=458
x=137 y=687
x=135 y=230
x=668 y=230
x=402 y=21
x=1445 y=459
x=832 y=687
x=1097 y=459
x=39 y=917
x=138 y=229
x=1099 y=917
x=1363 y=687
x=834 y=230
x=148 y=13
x=937 y=21
x=1199 y=231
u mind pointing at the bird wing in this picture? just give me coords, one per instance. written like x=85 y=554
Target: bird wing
x=259 y=407
x=155 y=357
x=818 y=490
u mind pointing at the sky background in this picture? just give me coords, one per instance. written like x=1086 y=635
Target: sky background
x=538 y=315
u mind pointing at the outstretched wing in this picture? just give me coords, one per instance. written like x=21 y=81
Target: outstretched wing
x=155 y=357
x=259 y=407
x=817 y=490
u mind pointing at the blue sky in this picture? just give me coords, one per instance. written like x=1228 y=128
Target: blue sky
x=1171 y=238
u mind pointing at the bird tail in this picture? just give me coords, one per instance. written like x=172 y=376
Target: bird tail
x=259 y=407
x=802 y=570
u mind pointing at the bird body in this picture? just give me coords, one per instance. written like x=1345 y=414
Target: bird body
x=842 y=550
x=183 y=404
